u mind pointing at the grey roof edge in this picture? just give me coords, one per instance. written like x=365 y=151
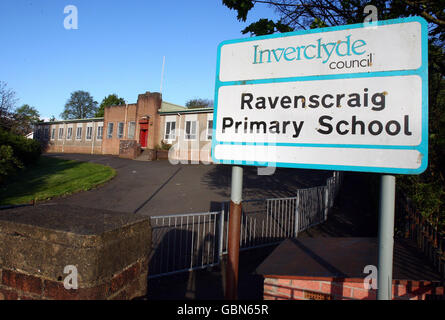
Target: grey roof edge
x=197 y=110
x=98 y=119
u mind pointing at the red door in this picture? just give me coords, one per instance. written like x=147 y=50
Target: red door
x=143 y=138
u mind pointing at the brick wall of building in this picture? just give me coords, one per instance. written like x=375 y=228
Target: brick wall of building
x=115 y=115
x=131 y=118
x=146 y=108
x=67 y=140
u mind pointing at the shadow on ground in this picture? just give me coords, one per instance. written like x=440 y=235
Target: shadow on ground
x=354 y=215
x=282 y=183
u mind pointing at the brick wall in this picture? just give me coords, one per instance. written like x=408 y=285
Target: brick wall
x=282 y=288
x=62 y=143
x=129 y=149
x=109 y=250
x=131 y=282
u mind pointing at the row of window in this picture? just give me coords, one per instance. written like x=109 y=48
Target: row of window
x=120 y=130
x=169 y=134
x=190 y=130
x=69 y=133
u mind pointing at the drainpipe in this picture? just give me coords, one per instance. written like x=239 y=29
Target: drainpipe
x=125 y=123
x=92 y=137
x=64 y=137
x=177 y=135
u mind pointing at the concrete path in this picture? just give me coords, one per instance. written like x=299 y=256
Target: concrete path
x=159 y=188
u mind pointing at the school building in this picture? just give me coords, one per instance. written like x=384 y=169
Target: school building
x=135 y=130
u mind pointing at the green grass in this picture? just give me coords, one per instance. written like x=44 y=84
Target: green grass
x=52 y=177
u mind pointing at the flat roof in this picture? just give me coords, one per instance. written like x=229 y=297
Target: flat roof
x=72 y=120
x=187 y=110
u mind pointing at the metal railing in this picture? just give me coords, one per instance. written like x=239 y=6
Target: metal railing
x=186 y=242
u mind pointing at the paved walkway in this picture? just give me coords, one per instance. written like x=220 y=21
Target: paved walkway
x=158 y=187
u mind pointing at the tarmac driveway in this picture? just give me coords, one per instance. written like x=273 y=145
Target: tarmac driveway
x=159 y=188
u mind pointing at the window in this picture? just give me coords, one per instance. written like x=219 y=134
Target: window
x=60 y=133
x=89 y=132
x=209 y=129
x=78 y=133
x=120 y=130
x=46 y=133
x=100 y=132
x=53 y=134
x=170 y=133
x=69 y=133
x=190 y=130
x=131 y=129
x=110 y=130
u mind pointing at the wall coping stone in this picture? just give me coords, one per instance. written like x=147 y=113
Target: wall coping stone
x=41 y=240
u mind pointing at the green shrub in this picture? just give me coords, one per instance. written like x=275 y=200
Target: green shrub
x=163 y=146
x=427 y=196
x=8 y=163
x=16 y=152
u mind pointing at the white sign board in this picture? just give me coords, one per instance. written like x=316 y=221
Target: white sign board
x=345 y=98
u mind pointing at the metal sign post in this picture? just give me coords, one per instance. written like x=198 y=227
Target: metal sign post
x=386 y=236
x=234 y=233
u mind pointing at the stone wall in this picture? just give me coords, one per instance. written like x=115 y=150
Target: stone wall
x=129 y=149
x=108 y=249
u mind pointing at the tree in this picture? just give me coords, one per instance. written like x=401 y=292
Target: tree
x=81 y=105
x=24 y=119
x=306 y=14
x=199 y=103
x=110 y=100
x=7 y=103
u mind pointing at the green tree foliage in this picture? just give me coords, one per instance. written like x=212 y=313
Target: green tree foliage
x=427 y=189
x=199 y=103
x=266 y=26
x=81 y=105
x=8 y=101
x=110 y=100
x=25 y=117
x=8 y=163
x=16 y=152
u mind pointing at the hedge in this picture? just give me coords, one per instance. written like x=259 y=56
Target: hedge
x=16 y=152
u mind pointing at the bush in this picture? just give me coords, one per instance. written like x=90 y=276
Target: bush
x=8 y=164
x=16 y=152
x=163 y=146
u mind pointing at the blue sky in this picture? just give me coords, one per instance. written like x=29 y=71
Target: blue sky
x=117 y=48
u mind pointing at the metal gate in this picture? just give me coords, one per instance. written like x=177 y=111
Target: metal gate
x=185 y=242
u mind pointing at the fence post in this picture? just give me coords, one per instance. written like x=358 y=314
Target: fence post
x=297 y=215
x=221 y=232
x=326 y=202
